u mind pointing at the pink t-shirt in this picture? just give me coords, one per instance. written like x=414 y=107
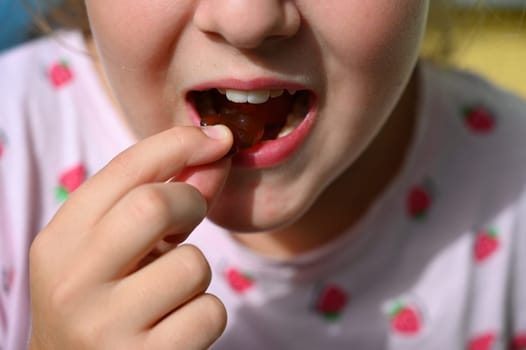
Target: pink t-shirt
x=437 y=262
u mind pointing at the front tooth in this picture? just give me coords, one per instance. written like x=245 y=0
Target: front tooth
x=258 y=97
x=237 y=96
x=255 y=97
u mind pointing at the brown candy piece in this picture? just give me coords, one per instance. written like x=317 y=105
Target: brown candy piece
x=247 y=130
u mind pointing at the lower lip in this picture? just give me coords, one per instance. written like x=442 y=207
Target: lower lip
x=272 y=152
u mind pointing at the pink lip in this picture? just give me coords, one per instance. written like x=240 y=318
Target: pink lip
x=253 y=84
x=268 y=153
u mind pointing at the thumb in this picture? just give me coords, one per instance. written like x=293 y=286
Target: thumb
x=207 y=179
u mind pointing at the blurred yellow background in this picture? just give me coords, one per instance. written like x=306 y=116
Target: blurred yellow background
x=492 y=43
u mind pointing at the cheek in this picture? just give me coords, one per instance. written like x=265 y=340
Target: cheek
x=136 y=41
x=376 y=32
x=370 y=56
x=138 y=34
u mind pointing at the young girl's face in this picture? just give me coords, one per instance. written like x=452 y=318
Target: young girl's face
x=351 y=58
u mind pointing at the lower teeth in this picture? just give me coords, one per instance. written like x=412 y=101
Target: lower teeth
x=293 y=120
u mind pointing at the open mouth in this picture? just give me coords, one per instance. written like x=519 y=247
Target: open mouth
x=253 y=116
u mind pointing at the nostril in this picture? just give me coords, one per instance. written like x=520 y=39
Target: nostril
x=247 y=24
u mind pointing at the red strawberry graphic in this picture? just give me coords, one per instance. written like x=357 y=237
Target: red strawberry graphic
x=70 y=180
x=331 y=302
x=419 y=200
x=479 y=120
x=60 y=73
x=486 y=243
x=240 y=282
x=518 y=342
x=483 y=341
x=405 y=319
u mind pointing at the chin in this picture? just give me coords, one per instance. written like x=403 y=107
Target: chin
x=245 y=222
x=257 y=211
x=247 y=215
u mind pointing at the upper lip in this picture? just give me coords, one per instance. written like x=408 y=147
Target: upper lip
x=248 y=85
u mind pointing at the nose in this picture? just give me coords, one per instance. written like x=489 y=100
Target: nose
x=248 y=24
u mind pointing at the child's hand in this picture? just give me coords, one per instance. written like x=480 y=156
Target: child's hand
x=100 y=278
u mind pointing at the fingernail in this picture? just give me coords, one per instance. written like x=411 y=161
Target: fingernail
x=217 y=132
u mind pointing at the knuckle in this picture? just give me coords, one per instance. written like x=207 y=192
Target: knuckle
x=196 y=266
x=189 y=194
x=150 y=203
x=178 y=137
x=216 y=314
x=123 y=164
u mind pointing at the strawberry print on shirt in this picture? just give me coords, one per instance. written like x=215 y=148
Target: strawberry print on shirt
x=484 y=341
x=518 y=342
x=420 y=200
x=241 y=282
x=60 y=73
x=479 y=120
x=405 y=318
x=331 y=301
x=69 y=180
x=486 y=244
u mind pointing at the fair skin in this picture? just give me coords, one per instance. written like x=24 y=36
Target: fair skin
x=358 y=67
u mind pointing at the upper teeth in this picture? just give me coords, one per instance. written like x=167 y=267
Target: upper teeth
x=254 y=96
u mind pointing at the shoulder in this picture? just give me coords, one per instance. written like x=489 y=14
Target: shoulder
x=40 y=82
x=35 y=92
x=467 y=90
x=36 y=77
x=41 y=96
x=39 y=65
x=54 y=125
x=27 y=59
x=478 y=134
x=486 y=118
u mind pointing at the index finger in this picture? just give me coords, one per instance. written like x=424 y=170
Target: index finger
x=154 y=159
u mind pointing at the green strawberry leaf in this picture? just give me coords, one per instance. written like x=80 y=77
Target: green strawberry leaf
x=61 y=194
